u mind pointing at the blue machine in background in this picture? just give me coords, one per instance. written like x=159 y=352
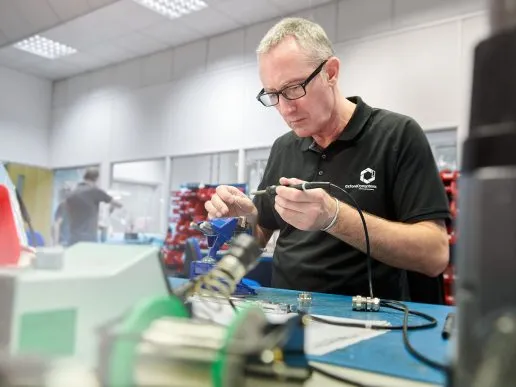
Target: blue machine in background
x=219 y=232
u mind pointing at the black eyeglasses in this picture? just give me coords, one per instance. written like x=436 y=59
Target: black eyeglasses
x=290 y=92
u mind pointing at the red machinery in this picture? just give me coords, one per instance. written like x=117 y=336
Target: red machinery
x=450 y=180
x=10 y=246
x=187 y=207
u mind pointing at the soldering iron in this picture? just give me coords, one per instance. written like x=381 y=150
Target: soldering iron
x=271 y=190
x=331 y=189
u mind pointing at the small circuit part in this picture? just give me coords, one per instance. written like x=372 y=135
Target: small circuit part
x=304 y=302
x=365 y=304
x=276 y=307
x=239 y=302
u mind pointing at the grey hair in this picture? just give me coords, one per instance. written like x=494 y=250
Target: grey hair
x=309 y=35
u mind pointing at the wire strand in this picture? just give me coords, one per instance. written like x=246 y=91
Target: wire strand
x=366 y=233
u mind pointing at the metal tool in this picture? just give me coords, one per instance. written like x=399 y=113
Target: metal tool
x=219 y=232
x=223 y=277
x=271 y=190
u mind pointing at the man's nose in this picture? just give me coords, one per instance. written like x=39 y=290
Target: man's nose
x=286 y=105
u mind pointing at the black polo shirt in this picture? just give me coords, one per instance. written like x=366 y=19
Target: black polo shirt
x=384 y=161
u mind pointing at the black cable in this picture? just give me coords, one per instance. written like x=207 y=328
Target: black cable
x=431 y=324
x=232 y=305
x=405 y=327
x=337 y=378
x=368 y=245
x=432 y=321
x=418 y=355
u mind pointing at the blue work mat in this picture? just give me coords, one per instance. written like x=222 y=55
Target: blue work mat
x=383 y=354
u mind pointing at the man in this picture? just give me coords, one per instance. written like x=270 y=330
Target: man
x=382 y=158
x=60 y=228
x=82 y=207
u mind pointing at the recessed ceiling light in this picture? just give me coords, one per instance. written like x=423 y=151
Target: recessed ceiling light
x=173 y=8
x=38 y=45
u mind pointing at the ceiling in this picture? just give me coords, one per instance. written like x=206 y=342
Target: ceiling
x=111 y=31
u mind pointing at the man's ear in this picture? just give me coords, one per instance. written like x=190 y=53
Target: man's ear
x=332 y=68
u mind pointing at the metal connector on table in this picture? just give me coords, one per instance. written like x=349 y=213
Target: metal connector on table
x=365 y=304
x=304 y=302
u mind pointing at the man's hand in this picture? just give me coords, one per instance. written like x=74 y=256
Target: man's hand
x=309 y=210
x=229 y=201
x=114 y=204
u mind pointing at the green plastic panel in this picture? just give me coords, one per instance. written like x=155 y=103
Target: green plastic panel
x=51 y=332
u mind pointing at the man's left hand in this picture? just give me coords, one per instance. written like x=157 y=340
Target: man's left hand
x=309 y=210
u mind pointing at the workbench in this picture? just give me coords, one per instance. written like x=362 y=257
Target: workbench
x=382 y=360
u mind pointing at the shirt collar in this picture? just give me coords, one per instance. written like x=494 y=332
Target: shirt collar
x=354 y=127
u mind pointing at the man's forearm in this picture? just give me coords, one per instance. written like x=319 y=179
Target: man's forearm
x=421 y=247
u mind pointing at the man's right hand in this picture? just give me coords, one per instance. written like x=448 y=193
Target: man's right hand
x=229 y=201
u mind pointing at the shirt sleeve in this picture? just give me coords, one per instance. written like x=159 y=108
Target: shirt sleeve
x=418 y=191
x=265 y=203
x=102 y=196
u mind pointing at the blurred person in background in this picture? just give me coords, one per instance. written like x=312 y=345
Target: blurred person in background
x=60 y=228
x=82 y=208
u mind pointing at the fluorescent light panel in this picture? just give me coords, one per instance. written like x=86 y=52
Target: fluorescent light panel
x=173 y=8
x=38 y=45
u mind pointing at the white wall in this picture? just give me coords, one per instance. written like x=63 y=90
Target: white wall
x=147 y=172
x=24 y=118
x=411 y=56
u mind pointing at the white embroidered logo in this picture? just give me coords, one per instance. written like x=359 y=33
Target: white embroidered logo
x=367 y=175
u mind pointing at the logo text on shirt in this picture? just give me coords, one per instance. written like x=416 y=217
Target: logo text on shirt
x=367 y=176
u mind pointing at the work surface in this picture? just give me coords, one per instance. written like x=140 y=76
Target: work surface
x=384 y=354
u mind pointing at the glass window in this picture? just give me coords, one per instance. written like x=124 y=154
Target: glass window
x=139 y=187
x=256 y=161
x=444 y=147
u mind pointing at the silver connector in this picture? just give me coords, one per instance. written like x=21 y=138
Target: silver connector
x=304 y=302
x=365 y=304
